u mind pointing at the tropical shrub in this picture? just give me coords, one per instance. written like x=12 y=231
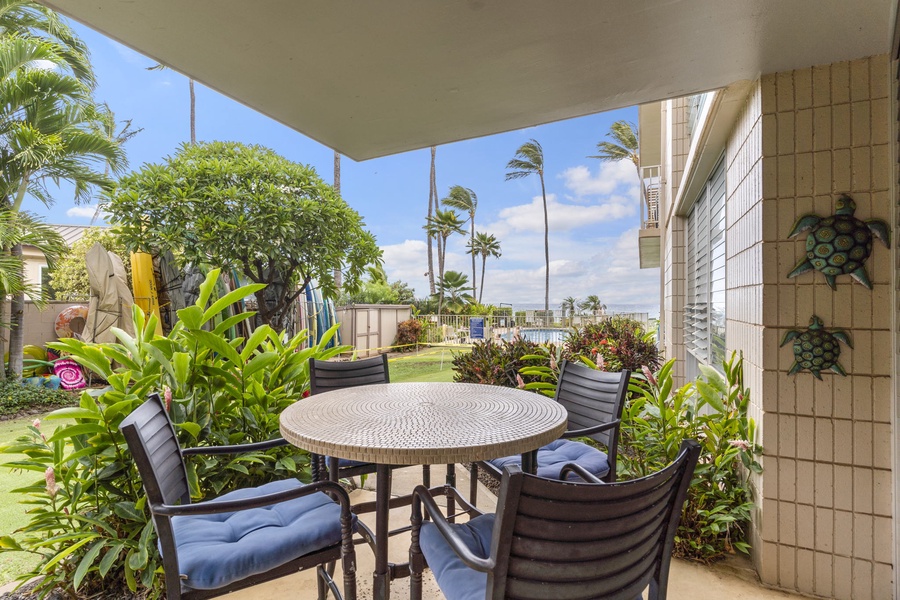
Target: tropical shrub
x=16 y=398
x=498 y=363
x=409 y=333
x=89 y=523
x=713 y=411
x=621 y=342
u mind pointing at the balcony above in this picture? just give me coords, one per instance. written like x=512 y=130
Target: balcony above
x=649 y=235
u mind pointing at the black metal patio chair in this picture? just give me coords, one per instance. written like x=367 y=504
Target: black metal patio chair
x=594 y=401
x=557 y=538
x=244 y=537
x=325 y=376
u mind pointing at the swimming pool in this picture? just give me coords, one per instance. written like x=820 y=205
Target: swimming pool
x=541 y=336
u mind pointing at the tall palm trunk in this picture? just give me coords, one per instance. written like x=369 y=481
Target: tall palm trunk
x=338 y=276
x=483 y=264
x=442 y=248
x=193 y=112
x=546 y=254
x=17 y=331
x=472 y=244
x=432 y=204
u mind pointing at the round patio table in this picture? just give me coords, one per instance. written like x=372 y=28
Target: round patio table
x=420 y=424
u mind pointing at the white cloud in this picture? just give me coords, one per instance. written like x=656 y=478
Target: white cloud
x=610 y=177
x=82 y=212
x=560 y=216
x=607 y=267
x=43 y=65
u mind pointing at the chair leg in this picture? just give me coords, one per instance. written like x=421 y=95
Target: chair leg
x=416 y=559
x=473 y=484
x=426 y=475
x=451 y=502
x=321 y=583
x=348 y=557
x=314 y=467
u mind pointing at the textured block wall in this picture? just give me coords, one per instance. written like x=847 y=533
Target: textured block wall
x=825 y=524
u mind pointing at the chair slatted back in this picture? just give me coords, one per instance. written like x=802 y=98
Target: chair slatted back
x=332 y=375
x=564 y=540
x=592 y=397
x=154 y=446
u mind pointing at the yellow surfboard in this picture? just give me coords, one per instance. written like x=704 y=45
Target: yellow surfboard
x=143 y=284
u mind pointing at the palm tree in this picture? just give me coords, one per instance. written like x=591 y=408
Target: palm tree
x=338 y=275
x=28 y=19
x=432 y=205
x=624 y=147
x=50 y=130
x=454 y=286
x=593 y=304
x=568 y=306
x=465 y=199
x=161 y=67
x=441 y=226
x=529 y=160
x=484 y=245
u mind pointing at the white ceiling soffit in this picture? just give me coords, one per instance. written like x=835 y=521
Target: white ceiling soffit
x=375 y=78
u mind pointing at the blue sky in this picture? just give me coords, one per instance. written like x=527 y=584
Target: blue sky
x=594 y=209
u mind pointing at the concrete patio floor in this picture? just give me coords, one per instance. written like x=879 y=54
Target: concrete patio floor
x=734 y=579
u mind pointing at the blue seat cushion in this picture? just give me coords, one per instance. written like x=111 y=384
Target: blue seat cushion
x=456 y=580
x=218 y=549
x=555 y=455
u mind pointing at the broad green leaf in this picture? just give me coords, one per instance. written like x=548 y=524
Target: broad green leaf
x=86 y=561
x=259 y=362
x=219 y=345
x=191 y=317
x=259 y=334
x=73 y=412
x=48 y=566
x=207 y=288
x=230 y=298
x=110 y=558
x=714 y=378
x=191 y=428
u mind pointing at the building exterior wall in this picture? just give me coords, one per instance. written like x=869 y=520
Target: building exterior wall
x=674 y=152
x=823 y=524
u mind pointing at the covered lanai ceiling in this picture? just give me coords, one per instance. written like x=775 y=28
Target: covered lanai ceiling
x=374 y=78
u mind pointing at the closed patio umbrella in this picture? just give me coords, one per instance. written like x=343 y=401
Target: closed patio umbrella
x=111 y=300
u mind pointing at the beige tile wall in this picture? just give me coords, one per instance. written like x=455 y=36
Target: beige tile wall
x=673 y=243
x=824 y=524
x=745 y=289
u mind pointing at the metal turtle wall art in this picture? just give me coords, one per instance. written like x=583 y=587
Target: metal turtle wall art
x=839 y=244
x=817 y=349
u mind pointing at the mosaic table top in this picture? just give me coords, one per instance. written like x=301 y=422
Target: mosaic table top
x=423 y=423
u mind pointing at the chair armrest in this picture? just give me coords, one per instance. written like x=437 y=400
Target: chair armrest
x=236 y=449
x=422 y=497
x=210 y=507
x=573 y=433
x=580 y=471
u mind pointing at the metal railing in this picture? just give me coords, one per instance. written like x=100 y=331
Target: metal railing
x=650 y=188
x=534 y=325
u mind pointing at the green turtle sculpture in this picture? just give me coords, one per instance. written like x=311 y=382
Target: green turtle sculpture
x=839 y=244
x=817 y=349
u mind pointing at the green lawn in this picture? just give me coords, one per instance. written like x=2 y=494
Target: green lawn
x=432 y=364
x=12 y=514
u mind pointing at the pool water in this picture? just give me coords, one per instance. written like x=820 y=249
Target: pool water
x=541 y=336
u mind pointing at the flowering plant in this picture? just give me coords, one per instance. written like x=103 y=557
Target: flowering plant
x=713 y=411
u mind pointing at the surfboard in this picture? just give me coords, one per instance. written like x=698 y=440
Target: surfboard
x=143 y=284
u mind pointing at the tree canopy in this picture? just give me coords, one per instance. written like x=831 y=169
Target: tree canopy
x=247 y=208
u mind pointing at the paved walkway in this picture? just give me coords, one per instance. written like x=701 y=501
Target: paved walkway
x=687 y=581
